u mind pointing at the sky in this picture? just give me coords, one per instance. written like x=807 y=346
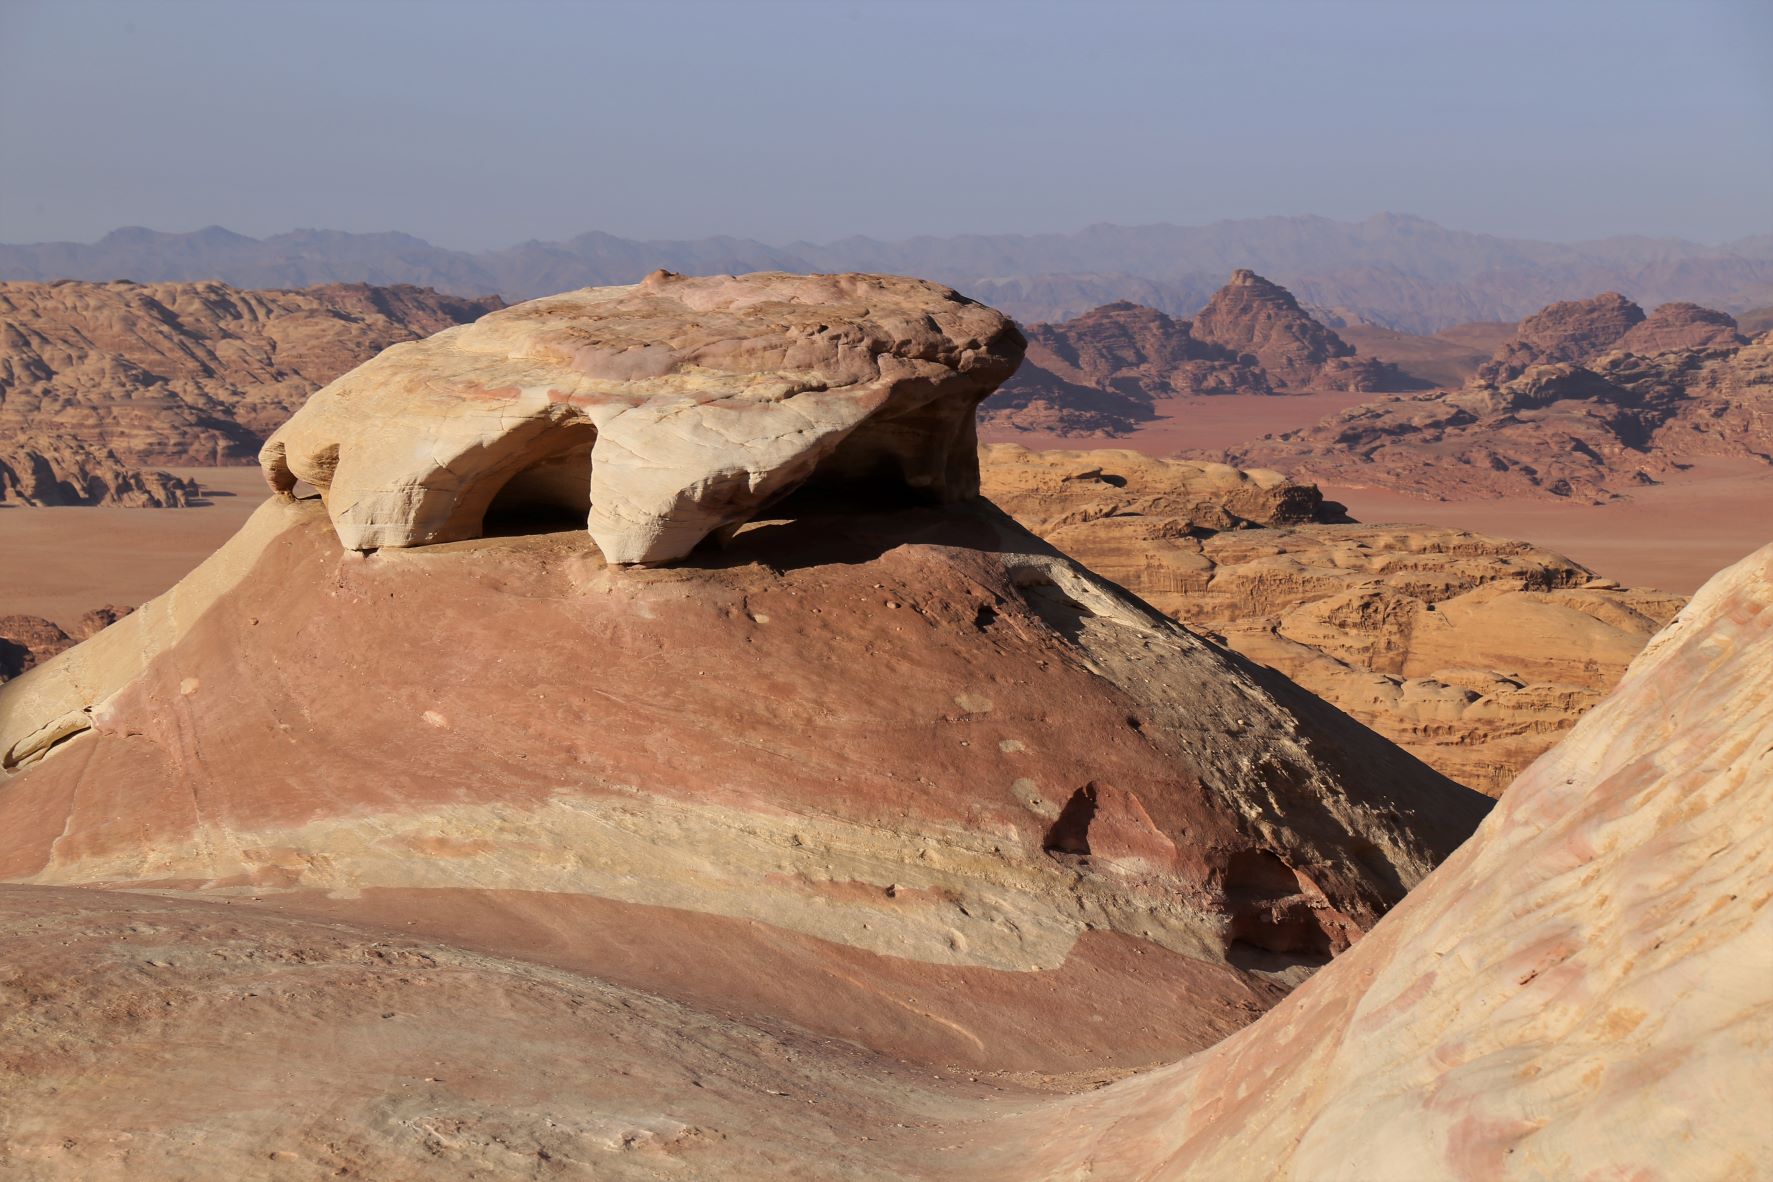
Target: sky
x=478 y=125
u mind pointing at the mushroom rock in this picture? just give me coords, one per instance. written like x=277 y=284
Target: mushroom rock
x=667 y=410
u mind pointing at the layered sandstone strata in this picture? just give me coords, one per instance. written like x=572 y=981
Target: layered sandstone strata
x=1473 y=653
x=667 y=410
x=911 y=755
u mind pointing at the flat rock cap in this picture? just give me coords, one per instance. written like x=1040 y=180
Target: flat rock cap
x=667 y=409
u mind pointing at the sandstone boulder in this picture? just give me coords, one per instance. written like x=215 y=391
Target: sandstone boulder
x=669 y=410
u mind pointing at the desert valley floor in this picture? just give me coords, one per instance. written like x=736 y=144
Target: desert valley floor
x=1673 y=537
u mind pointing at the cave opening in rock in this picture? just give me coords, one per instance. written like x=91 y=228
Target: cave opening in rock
x=551 y=495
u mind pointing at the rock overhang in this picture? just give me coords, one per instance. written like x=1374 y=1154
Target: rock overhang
x=667 y=410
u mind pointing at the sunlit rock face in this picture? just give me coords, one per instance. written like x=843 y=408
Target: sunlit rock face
x=666 y=411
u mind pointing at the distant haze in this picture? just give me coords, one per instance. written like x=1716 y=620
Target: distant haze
x=481 y=125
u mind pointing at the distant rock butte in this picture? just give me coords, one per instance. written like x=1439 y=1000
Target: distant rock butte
x=102 y=380
x=1579 y=992
x=40 y=472
x=665 y=411
x=1589 y=401
x=1473 y=653
x=1573 y=331
x=1101 y=372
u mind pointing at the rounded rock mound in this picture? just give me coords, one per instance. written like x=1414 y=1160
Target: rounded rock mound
x=665 y=411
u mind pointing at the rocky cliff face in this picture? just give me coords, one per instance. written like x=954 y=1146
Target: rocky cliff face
x=1102 y=371
x=51 y=471
x=180 y=373
x=1473 y=653
x=1572 y=332
x=1567 y=410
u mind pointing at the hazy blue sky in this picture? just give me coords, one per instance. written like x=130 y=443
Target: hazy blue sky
x=484 y=124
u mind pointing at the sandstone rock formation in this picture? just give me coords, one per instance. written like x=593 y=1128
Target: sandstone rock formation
x=1101 y=372
x=50 y=471
x=26 y=641
x=1566 y=411
x=669 y=410
x=1573 y=332
x=1579 y=992
x=1251 y=317
x=1473 y=653
x=907 y=777
x=189 y=373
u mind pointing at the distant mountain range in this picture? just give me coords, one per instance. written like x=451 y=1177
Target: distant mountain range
x=1394 y=270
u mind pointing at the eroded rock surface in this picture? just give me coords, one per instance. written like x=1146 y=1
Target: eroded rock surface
x=189 y=374
x=906 y=778
x=40 y=472
x=26 y=641
x=1103 y=371
x=1473 y=653
x=1579 y=992
x=669 y=409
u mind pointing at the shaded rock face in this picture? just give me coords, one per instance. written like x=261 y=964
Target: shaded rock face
x=1580 y=991
x=668 y=410
x=1573 y=332
x=834 y=760
x=1475 y=654
x=43 y=472
x=1568 y=411
x=1101 y=372
x=189 y=374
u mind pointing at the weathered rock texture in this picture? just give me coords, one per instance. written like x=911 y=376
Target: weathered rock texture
x=30 y=640
x=1251 y=317
x=52 y=471
x=1570 y=408
x=1572 y=332
x=906 y=778
x=1102 y=371
x=669 y=410
x=1473 y=653
x=1580 y=992
x=103 y=379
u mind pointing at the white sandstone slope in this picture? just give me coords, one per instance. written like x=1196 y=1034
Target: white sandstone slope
x=1583 y=991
